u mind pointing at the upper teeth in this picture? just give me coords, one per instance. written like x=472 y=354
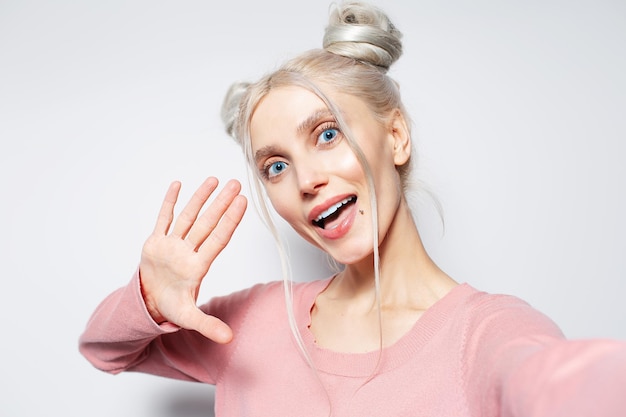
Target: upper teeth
x=330 y=210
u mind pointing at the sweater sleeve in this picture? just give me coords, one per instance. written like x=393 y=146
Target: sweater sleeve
x=519 y=364
x=569 y=379
x=122 y=336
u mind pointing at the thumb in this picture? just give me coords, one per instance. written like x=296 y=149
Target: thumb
x=209 y=326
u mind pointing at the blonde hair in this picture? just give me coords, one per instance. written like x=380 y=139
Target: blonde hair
x=359 y=46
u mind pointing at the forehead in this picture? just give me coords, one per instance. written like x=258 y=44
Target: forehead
x=284 y=106
x=291 y=110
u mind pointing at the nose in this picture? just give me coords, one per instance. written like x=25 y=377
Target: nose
x=311 y=179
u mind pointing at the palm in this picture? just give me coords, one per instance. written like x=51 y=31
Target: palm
x=173 y=264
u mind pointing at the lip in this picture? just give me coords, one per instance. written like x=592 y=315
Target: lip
x=341 y=229
x=320 y=208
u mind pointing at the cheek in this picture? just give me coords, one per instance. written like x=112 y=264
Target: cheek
x=345 y=164
x=286 y=207
x=385 y=175
x=282 y=200
x=382 y=167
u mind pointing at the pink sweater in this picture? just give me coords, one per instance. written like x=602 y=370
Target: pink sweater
x=470 y=354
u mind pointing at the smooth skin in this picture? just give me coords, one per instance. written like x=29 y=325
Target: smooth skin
x=314 y=170
x=310 y=164
x=173 y=264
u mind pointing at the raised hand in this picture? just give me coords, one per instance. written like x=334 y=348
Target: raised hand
x=174 y=263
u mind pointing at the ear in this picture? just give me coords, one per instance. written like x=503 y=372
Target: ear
x=400 y=137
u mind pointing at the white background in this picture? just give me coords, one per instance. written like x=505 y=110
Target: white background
x=519 y=117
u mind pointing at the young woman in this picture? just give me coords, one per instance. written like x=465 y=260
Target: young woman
x=329 y=144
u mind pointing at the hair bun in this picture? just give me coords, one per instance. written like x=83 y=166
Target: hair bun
x=231 y=105
x=363 y=32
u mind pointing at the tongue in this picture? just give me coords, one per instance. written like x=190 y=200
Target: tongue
x=337 y=217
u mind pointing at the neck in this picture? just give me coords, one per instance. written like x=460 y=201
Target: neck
x=407 y=274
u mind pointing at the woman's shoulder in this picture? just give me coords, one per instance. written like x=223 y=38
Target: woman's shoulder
x=487 y=302
x=465 y=299
x=502 y=314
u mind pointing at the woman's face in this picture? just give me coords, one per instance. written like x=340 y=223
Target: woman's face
x=313 y=178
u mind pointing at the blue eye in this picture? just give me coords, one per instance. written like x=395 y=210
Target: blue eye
x=276 y=168
x=327 y=136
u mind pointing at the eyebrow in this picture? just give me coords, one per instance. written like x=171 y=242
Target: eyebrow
x=308 y=123
x=264 y=152
x=305 y=126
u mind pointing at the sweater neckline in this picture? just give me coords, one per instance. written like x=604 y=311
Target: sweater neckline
x=361 y=365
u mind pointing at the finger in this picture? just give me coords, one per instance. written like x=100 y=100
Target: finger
x=211 y=217
x=224 y=230
x=166 y=213
x=209 y=326
x=189 y=214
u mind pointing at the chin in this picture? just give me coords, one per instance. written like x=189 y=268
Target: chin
x=348 y=252
x=354 y=256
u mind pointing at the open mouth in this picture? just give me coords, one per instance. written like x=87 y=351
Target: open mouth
x=333 y=212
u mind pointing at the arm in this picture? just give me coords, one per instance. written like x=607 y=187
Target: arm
x=132 y=323
x=569 y=379
x=501 y=332
x=519 y=364
x=120 y=330
x=122 y=336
